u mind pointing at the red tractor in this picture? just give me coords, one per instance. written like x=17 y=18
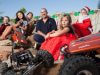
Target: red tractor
x=82 y=56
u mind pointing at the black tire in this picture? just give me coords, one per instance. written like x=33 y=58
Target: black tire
x=45 y=56
x=3 y=68
x=80 y=65
x=66 y=60
x=10 y=72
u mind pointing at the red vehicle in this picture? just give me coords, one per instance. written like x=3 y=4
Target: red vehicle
x=82 y=56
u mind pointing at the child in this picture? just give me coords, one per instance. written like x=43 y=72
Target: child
x=21 y=22
x=4 y=28
x=31 y=22
x=56 y=39
x=83 y=25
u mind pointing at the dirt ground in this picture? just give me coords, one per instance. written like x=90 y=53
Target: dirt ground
x=48 y=71
x=40 y=70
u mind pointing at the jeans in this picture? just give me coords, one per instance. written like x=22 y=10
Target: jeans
x=38 y=38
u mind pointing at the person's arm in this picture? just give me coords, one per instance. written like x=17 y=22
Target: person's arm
x=39 y=32
x=38 y=29
x=23 y=27
x=86 y=23
x=17 y=24
x=31 y=22
x=60 y=32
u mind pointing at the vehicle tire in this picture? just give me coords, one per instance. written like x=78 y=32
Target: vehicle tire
x=10 y=72
x=66 y=60
x=80 y=65
x=45 y=56
x=3 y=68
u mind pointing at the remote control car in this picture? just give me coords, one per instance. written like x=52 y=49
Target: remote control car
x=23 y=62
x=82 y=56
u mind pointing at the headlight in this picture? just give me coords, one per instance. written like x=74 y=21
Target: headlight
x=64 y=48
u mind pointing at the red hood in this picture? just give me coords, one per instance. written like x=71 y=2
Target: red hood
x=86 y=43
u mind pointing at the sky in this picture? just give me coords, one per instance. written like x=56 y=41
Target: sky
x=10 y=7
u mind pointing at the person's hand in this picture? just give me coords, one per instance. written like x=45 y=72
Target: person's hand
x=47 y=36
x=20 y=21
x=21 y=27
x=53 y=31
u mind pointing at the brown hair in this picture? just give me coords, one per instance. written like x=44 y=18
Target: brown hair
x=68 y=17
x=30 y=13
x=17 y=19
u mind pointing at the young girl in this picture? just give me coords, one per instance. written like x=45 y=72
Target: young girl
x=21 y=22
x=83 y=25
x=56 y=39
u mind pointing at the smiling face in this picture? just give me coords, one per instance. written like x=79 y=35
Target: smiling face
x=20 y=15
x=44 y=13
x=64 y=21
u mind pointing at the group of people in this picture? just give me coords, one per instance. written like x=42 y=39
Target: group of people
x=51 y=36
x=24 y=24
